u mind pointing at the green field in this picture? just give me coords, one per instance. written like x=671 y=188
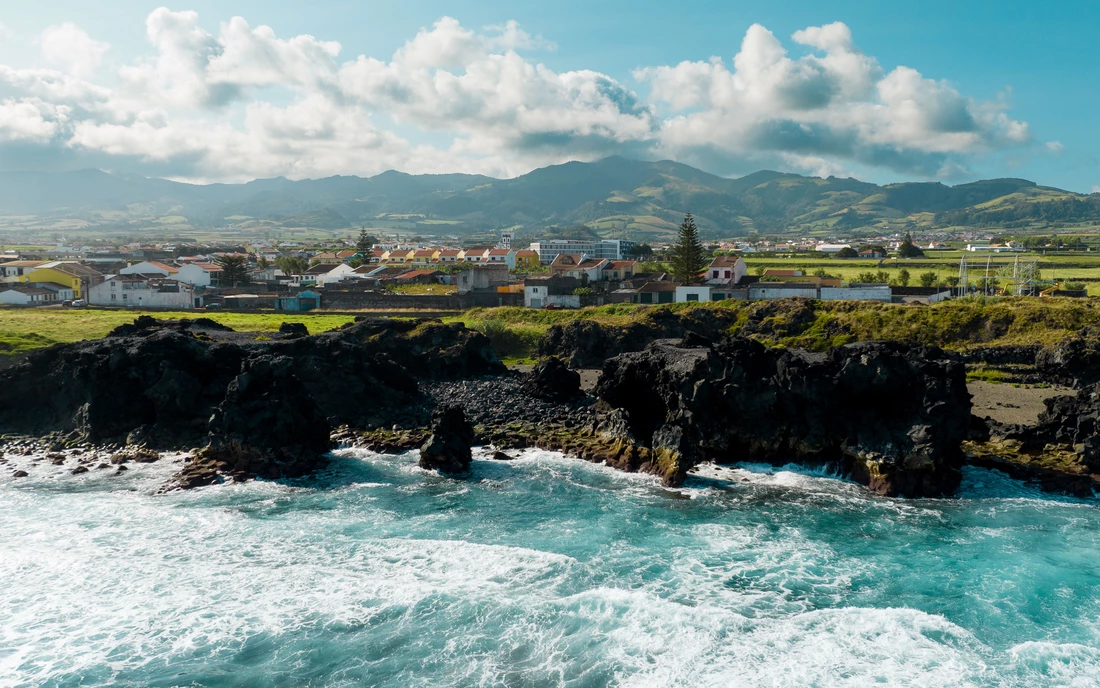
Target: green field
x=1055 y=267
x=22 y=330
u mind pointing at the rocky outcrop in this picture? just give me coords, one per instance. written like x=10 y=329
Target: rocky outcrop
x=448 y=447
x=159 y=386
x=267 y=426
x=1074 y=360
x=552 y=380
x=587 y=344
x=167 y=387
x=891 y=415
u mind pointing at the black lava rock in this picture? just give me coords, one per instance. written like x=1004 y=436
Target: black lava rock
x=553 y=380
x=448 y=447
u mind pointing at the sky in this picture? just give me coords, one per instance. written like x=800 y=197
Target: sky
x=232 y=91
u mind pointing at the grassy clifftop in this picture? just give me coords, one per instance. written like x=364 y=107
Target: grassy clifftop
x=515 y=332
x=817 y=325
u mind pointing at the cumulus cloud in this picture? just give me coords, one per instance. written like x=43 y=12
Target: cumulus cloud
x=834 y=105
x=71 y=48
x=243 y=102
x=5 y=32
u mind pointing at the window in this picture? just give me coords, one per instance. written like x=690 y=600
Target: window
x=113 y=296
x=692 y=297
x=715 y=275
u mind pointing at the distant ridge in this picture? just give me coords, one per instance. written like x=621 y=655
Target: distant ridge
x=612 y=195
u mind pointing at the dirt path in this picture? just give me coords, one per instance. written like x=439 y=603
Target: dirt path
x=1009 y=404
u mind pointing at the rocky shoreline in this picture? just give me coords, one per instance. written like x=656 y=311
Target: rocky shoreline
x=894 y=417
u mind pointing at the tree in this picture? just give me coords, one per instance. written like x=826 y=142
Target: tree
x=903 y=277
x=365 y=243
x=688 y=260
x=927 y=279
x=233 y=268
x=291 y=265
x=847 y=252
x=263 y=263
x=907 y=249
x=640 y=252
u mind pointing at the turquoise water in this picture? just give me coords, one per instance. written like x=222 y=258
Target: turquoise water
x=544 y=571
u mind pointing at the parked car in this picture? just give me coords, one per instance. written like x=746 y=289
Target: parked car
x=552 y=307
x=67 y=303
x=79 y=303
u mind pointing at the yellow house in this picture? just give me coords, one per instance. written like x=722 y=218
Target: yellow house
x=398 y=255
x=525 y=259
x=77 y=277
x=425 y=256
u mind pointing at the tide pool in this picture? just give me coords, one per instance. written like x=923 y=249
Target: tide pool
x=543 y=571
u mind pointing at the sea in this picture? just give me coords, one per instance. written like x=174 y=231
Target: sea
x=542 y=571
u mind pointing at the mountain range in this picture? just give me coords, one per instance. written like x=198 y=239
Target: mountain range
x=613 y=197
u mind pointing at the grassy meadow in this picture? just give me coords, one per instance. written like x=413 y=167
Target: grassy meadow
x=515 y=332
x=23 y=330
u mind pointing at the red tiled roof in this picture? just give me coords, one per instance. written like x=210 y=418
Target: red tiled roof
x=413 y=274
x=724 y=261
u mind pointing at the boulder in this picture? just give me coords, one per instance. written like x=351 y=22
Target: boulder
x=1074 y=360
x=294 y=329
x=448 y=447
x=552 y=380
x=891 y=415
x=268 y=425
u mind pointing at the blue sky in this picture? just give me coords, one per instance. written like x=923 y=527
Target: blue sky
x=992 y=89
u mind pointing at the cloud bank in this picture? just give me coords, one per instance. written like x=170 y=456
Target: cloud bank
x=243 y=103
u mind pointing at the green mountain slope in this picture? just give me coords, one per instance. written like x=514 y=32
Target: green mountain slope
x=615 y=196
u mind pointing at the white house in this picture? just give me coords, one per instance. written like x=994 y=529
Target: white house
x=337 y=274
x=12 y=271
x=832 y=248
x=537 y=295
x=857 y=292
x=27 y=296
x=695 y=292
x=142 y=292
x=199 y=274
x=726 y=270
x=147 y=267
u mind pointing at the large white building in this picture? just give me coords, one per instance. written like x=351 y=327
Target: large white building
x=142 y=291
x=611 y=249
x=199 y=274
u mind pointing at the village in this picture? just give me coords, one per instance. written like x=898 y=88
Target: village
x=549 y=274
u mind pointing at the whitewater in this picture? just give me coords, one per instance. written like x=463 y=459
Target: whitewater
x=543 y=571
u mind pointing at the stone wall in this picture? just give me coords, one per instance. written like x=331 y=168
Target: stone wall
x=355 y=300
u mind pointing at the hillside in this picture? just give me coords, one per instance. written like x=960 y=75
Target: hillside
x=616 y=196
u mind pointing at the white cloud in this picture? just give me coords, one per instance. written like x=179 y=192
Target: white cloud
x=1054 y=146
x=243 y=102
x=71 y=48
x=5 y=32
x=836 y=104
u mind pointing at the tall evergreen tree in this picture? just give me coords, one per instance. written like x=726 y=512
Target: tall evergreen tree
x=365 y=242
x=907 y=249
x=688 y=258
x=233 y=268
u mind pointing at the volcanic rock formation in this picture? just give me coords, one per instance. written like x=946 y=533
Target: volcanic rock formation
x=891 y=415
